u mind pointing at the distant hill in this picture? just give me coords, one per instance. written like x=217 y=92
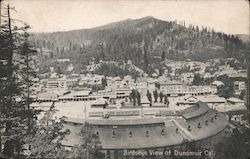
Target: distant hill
x=141 y=40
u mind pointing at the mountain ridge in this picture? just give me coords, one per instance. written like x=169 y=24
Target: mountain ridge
x=133 y=38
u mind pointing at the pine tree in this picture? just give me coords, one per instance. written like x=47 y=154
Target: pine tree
x=166 y=100
x=138 y=97
x=102 y=52
x=27 y=73
x=133 y=96
x=14 y=108
x=104 y=82
x=163 y=56
x=155 y=95
x=45 y=142
x=161 y=97
x=9 y=88
x=149 y=97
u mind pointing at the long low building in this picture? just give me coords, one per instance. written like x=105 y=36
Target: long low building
x=174 y=88
x=208 y=99
x=83 y=96
x=195 y=123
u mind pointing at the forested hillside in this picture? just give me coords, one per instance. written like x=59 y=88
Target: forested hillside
x=141 y=40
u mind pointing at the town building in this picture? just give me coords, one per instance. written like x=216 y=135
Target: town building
x=217 y=84
x=55 y=84
x=99 y=103
x=211 y=100
x=234 y=100
x=196 y=123
x=175 y=88
x=239 y=86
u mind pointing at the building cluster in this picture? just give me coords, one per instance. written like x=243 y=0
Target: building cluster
x=140 y=113
x=112 y=93
x=87 y=87
x=185 y=70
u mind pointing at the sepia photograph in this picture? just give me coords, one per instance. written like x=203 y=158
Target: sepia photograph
x=124 y=79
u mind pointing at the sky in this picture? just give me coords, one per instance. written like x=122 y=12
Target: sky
x=229 y=16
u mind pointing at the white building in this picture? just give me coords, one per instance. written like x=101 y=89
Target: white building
x=176 y=88
x=234 y=100
x=56 y=84
x=171 y=88
x=213 y=101
x=217 y=83
x=239 y=86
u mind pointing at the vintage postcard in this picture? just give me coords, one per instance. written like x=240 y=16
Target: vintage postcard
x=125 y=79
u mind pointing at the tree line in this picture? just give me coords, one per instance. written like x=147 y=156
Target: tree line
x=133 y=40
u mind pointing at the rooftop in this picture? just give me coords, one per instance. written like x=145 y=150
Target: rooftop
x=139 y=137
x=99 y=101
x=217 y=83
x=235 y=100
x=201 y=108
x=126 y=122
x=151 y=132
x=74 y=138
x=141 y=79
x=212 y=99
x=81 y=93
x=171 y=83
